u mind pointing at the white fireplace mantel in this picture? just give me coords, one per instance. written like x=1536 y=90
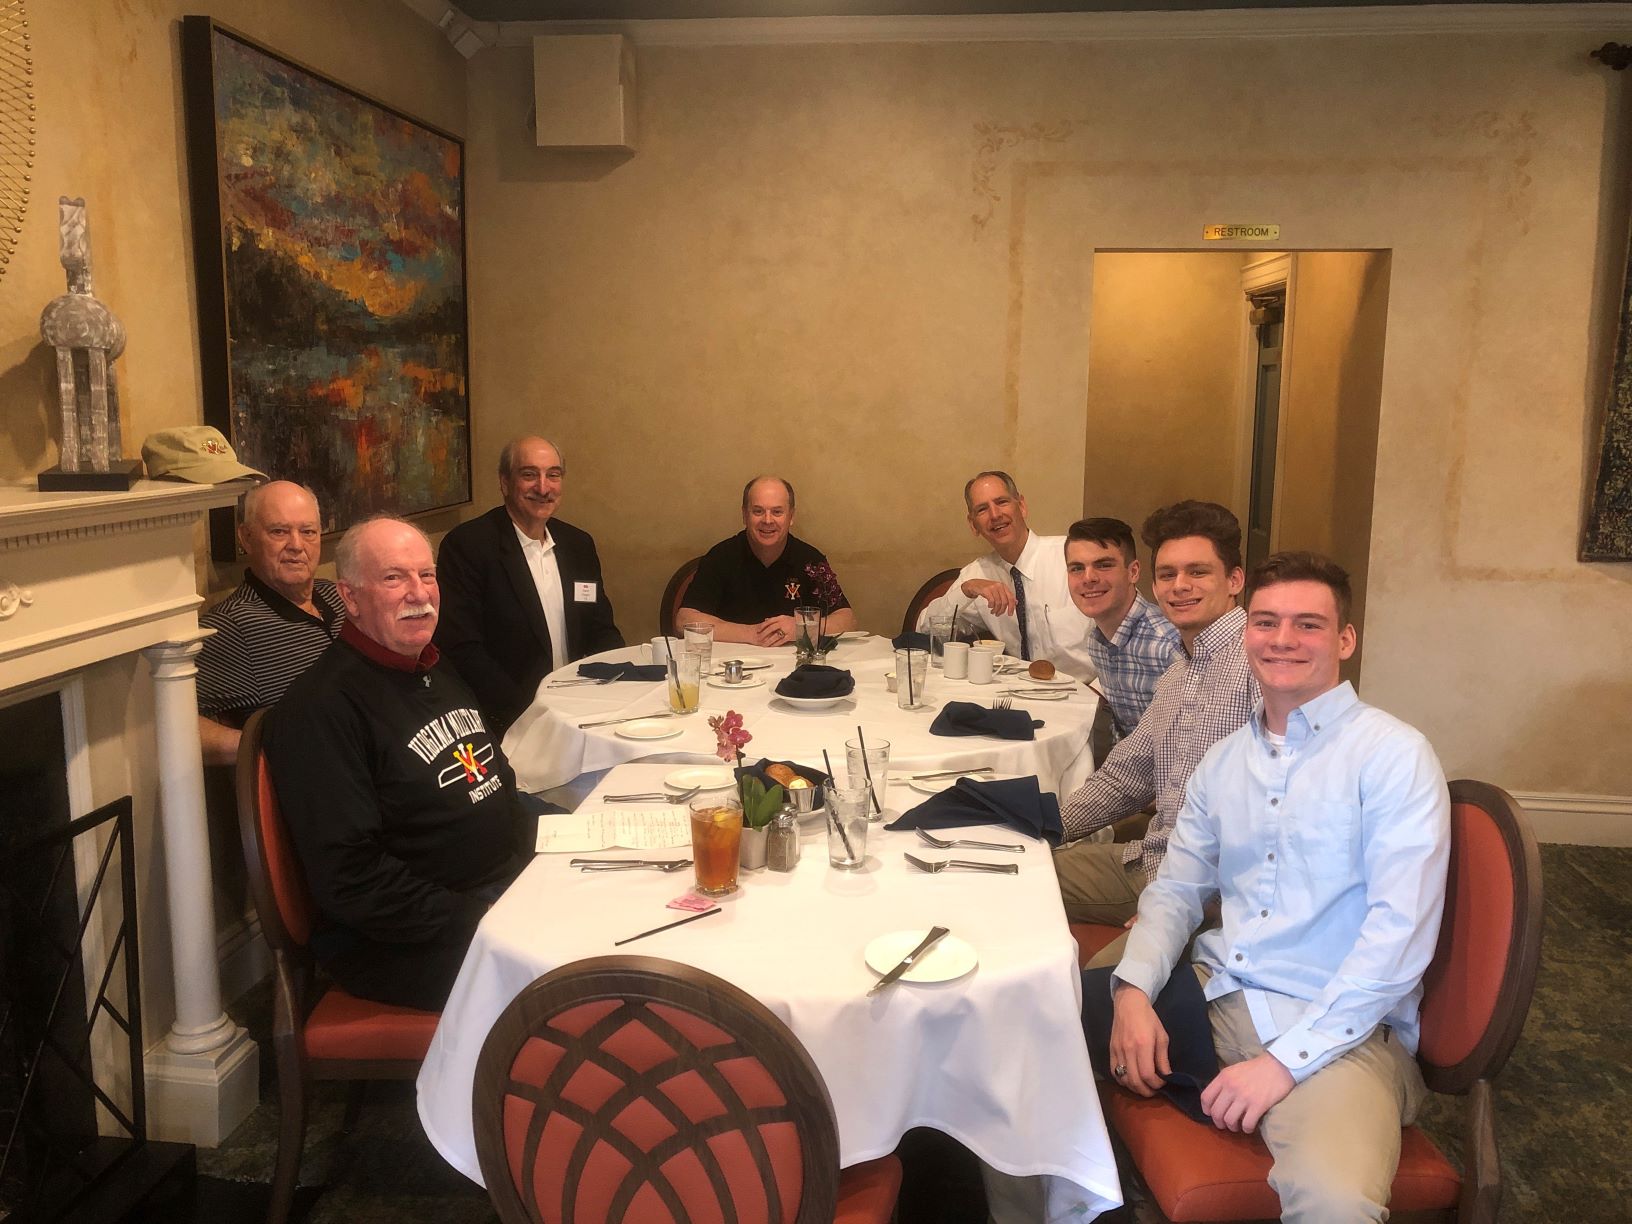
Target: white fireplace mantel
x=90 y=577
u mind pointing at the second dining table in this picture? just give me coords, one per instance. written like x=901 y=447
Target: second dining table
x=548 y=747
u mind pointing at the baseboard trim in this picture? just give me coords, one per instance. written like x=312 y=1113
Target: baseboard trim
x=243 y=956
x=1579 y=820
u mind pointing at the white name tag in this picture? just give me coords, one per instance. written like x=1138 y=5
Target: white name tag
x=583 y=592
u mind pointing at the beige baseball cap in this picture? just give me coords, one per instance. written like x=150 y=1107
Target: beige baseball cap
x=194 y=452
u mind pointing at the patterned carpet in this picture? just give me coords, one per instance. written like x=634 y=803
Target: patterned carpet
x=1563 y=1103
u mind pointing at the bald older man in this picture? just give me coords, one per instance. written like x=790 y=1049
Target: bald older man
x=522 y=592
x=398 y=797
x=748 y=586
x=274 y=626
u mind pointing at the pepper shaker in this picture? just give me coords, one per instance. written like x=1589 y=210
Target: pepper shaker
x=782 y=843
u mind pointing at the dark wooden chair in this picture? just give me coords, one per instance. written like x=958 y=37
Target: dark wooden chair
x=674 y=597
x=640 y=1091
x=1475 y=997
x=330 y=1035
x=932 y=590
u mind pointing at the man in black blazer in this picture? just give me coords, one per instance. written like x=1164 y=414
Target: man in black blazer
x=521 y=590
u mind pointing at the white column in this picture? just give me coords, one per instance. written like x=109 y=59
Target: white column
x=203 y=1079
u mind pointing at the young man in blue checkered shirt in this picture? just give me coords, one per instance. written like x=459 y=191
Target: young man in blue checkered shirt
x=1131 y=642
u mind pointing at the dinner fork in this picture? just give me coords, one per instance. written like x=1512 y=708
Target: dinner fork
x=1002 y=703
x=575 y=683
x=941 y=844
x=664 y=865
x=935 y=868
x=684 y=796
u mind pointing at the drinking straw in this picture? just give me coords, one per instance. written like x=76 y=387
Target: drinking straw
x=674 y=668
x=618 y=943
x=832 y=808
x=867 y=768
x=912 y=700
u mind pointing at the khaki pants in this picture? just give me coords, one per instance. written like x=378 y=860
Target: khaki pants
x=1336 y=1136
x=1095 y=884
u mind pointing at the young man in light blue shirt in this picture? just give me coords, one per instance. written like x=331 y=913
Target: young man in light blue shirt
x=1323 y=825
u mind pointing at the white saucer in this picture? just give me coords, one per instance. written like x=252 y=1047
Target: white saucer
x=745 y=660
x=700 y=777
x=935 y=786
x=650 y=729
x=747 y=682
x=854 y=635
x=815 y=703
x=949 y=958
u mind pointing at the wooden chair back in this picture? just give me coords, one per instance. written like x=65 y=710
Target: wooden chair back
x=932 y=590
x=674 y=597
x=626 y=1088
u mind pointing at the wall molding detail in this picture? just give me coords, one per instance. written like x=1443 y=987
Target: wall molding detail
x=1579 y=820
x=1371 y=20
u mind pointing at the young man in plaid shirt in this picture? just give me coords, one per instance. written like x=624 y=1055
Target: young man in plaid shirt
x=1205 y=694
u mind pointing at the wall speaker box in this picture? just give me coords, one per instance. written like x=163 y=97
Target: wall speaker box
x=584 y=91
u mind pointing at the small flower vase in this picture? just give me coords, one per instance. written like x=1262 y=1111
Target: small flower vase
x=751 y=849
x=807 y=635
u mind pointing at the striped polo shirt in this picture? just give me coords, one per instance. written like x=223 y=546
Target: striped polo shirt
x=261 y=642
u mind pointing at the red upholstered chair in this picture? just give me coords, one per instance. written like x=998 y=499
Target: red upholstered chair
x=332 y=1036
x=1091 y=937
x=1476 y=994
x=674 y=597
x=631 y=1090
x=932 y=590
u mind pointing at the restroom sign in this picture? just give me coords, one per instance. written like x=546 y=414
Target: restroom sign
x=1240 y=233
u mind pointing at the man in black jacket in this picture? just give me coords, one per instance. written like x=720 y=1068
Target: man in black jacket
x=521 y=590
x=398 y=798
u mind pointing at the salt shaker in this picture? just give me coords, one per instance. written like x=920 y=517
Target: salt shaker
x=782 y=843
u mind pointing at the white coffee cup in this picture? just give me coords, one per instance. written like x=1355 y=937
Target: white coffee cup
x=660 y=653
x=981 y=663
x=955 y=660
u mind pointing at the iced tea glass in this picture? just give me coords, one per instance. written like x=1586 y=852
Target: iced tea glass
x=716 y=837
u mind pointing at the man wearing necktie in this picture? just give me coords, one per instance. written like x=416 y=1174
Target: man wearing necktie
x=1017 y=593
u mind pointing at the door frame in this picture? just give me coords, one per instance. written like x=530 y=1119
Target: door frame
x=1278 y=270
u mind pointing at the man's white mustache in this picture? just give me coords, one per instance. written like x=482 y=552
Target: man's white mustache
x=414 y=611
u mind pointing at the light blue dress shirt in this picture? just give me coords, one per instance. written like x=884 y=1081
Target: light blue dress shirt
x=1329 y=854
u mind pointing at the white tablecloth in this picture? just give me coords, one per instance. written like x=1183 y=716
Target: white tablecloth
x=547 y=747
x=996 y=1058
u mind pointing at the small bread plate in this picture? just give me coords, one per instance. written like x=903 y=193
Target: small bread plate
x=649 y=729
x=745 y=660
x=949 y=957
x=934 y=786
x=747 y=682
x=854 y=635
x=815 y=703
x=700 y=777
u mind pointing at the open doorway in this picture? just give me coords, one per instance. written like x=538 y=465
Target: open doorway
x=1247 y=379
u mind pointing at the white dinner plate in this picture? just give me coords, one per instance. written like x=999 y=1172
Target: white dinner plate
x=700 y=777
x=854 y=635
x=934 y=786
x=815 y=703
x=949 y=958
x=747 y=682
x=649 y=729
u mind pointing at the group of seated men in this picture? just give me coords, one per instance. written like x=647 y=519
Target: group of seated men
x=1305 y=833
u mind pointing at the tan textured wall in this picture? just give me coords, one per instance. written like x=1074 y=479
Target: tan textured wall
x=108 y=92
x=1164 y=359
x=1330 y=411
x=869 y=266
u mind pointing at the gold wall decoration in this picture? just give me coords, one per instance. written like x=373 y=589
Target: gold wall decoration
x=16 y=124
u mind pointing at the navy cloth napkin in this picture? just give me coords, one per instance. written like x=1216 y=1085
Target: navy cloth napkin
x=911 y=641
x=623 y=671
x=967 y=718
x=1019 y=802
x=816 y=680
x=1182 y=1009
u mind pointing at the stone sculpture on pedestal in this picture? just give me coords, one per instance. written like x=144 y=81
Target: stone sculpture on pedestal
x=88 y=339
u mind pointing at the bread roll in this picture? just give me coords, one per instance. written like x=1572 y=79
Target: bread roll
x=1042 y=669
x=781 y=773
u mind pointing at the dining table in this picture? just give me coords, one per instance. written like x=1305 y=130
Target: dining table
x=548 y=745
x=988 y=1050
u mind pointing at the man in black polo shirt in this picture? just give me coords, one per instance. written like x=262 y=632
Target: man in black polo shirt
x=274 y=626
x=748 y=586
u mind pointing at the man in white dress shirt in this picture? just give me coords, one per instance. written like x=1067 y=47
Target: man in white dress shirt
x=522 y=592
x=1323 y=826
x=1016 y=593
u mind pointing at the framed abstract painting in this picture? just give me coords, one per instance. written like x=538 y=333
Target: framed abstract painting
x=329 y=244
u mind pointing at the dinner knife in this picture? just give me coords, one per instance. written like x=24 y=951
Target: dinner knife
x=907 y=961
x=611 y=722
x=952 y=773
